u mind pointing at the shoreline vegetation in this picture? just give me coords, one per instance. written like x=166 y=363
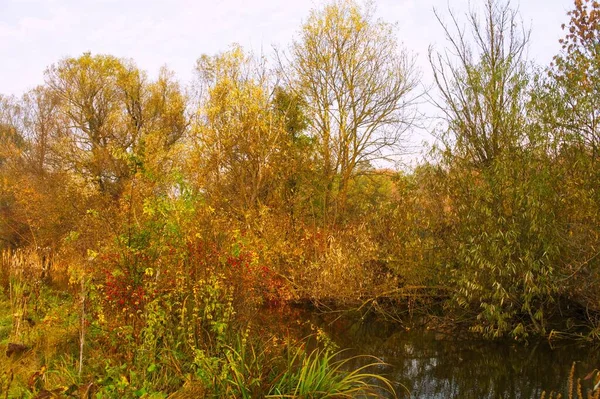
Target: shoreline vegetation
x=143 y=224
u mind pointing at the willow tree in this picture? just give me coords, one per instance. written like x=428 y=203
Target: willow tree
x=482 y=78
x=501 y=191
x=358 y=84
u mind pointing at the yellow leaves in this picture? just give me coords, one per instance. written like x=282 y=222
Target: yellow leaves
x=342 y=17
x=239 y=137
x=229 y=64
x=91 y=255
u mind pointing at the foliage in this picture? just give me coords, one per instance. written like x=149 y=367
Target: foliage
x=358 y=86
x=146 y=225
x=507 y=247
x=190 y=337
x=566 y=105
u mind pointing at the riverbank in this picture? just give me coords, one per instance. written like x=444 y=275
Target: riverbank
x=240 y=356
x=60 y=345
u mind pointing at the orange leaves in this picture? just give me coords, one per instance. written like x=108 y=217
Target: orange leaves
x=584 y=25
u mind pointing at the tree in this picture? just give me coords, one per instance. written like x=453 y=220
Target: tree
x=109 y=112
x=12 y=145
x=568 y=108
x=163 y=124
x=483 y=89
x=240 y=137
x=92 y=106
x=575 y=80
x=41 y=128
x=296 y=187
x=358 y=85
x=501 y=192
x=11 y=129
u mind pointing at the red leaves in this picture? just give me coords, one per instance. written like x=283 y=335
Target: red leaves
x=257 y=281
x=133 y=279
x=122 y=292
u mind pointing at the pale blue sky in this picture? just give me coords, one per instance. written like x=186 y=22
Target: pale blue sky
x=37 y=33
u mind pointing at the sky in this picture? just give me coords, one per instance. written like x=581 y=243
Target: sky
x=36 y=33
x=153 y=33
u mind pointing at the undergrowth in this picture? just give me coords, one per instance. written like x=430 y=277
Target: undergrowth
x=181 y=342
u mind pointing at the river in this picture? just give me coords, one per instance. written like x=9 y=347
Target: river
x=428 y=364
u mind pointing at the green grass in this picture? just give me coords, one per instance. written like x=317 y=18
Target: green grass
x=5 y=320
x=316 y=374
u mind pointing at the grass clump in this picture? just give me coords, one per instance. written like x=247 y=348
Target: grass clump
x=318 y=374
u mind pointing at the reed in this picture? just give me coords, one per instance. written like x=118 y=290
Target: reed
x=575 y=389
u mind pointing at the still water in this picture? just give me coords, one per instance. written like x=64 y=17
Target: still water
x=426 y=364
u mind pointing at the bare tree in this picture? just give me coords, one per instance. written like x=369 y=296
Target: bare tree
x=482 y=79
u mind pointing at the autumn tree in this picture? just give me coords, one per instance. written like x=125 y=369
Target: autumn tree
x=87 y=88
x=98 y=126
x=163 y=127
x=41 y=127
x=240 y=137
x=567 y=107
x=41 y=195
x=297 y=180
x=108 y=108
x=358 y=84
x=11 y=147
x=575 y=73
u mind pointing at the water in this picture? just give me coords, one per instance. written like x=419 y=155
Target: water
x=434 y=365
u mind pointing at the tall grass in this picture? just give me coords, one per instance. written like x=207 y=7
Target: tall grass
x=34 y=319
x=256 y=368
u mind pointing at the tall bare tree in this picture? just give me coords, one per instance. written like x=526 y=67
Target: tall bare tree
x=482 y=79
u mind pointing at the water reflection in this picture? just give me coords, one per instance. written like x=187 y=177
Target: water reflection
x=434 y=365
